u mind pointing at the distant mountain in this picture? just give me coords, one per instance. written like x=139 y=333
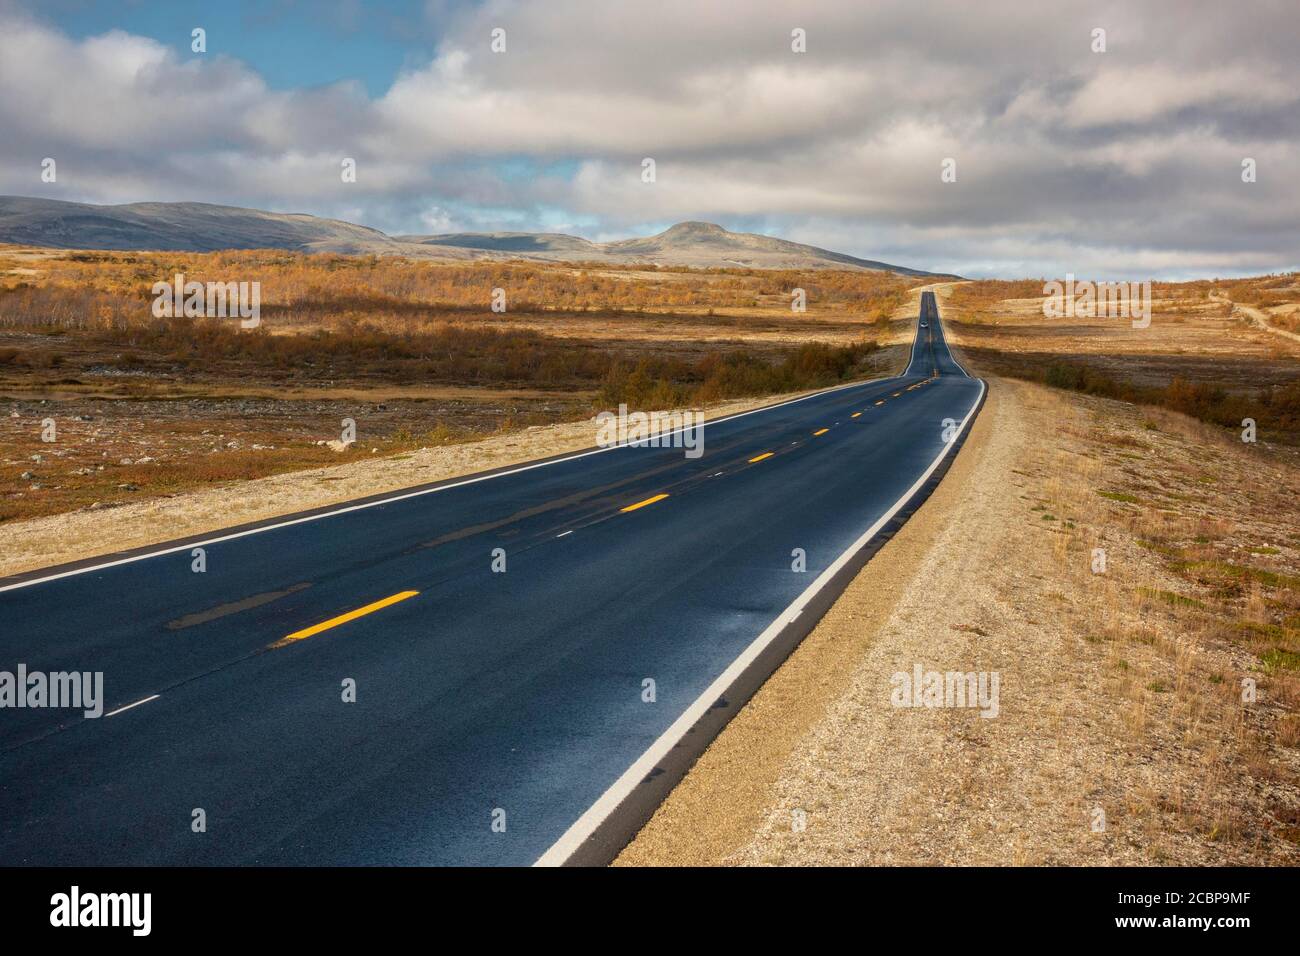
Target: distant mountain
x=548 y=244
x=203 y=227
x=167 y=226
x=706 y=244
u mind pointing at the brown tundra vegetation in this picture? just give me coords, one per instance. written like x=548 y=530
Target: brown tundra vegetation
x=412 y=349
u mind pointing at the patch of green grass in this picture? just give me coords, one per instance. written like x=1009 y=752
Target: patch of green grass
x=1157 y=687
x=1280 y=659
x=1120 y=496
x=1169 y=597
x=1264 y=549
x=1243 y=572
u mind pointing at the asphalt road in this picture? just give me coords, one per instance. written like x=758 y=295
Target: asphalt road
x=499 y=718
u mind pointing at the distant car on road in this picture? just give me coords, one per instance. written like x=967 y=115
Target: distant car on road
x=925 y=325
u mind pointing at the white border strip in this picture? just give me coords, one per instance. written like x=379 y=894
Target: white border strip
x=948 y=348
x=916 y=341
x=586 y=825
x=402 y=496
x=954 y=358
x=114 y=713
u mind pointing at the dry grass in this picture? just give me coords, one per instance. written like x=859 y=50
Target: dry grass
x=1199 y=356
x=1198 y=608
x=409 y=350
x=307 y=292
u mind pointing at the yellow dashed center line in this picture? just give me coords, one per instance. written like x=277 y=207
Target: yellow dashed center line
x=896 y=394
x=855 y=415
x=642 y=504
x=881 y=402
x=820 y=431
x=344 y=618
x=766 y=454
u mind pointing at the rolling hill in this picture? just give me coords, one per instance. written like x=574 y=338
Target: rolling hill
x=204 y=227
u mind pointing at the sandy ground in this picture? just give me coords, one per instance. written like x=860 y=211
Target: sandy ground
x=1116 y=740
x=41 y=542
x=1261 y=321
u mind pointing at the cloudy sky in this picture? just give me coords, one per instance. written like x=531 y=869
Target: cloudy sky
x=1118 y=164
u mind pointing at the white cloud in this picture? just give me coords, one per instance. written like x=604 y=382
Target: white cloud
x=1133 y=155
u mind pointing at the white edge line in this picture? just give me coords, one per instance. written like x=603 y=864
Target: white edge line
x=586 y=825
x=911 y=359
x=953 y=357
x=947 y=346
x=113 y=713
x=413 y=494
